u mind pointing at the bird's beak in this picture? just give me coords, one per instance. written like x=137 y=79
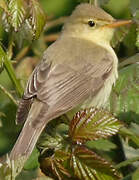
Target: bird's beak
x=118 y=23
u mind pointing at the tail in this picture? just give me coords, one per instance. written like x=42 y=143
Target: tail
x=30 y=133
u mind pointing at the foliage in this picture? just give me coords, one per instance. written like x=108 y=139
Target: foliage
x=83 y=148
x=73 y=159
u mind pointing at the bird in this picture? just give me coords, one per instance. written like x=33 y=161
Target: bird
x=77 y=70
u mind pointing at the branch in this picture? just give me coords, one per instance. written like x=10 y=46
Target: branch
x=8 y=94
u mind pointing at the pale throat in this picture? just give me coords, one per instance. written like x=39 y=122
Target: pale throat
x=101 y=36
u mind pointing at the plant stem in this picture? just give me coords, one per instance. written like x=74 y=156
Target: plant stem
x=131 y=60
x=127 y=162
x=10 y=71
x=8 y=94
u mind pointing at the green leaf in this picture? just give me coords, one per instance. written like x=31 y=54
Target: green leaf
x=131 y=154
x=101 y=144
x=37 y=18
x=124 y=100
x=32 y=162
x=17 y=11
x=130 y=134
x=127 y=162
x=88 y=165
x=93 y=124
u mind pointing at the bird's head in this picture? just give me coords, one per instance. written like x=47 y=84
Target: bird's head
x=92 y=23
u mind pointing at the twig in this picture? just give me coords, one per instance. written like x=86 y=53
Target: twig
x=127 y=162
x=55 y=22
x=132 y=60
x=51 y=37
x=22 y=53
x=10 y=71
x=8 y=94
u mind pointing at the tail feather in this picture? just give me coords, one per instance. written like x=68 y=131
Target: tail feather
x=30 y=132
x=23 y=110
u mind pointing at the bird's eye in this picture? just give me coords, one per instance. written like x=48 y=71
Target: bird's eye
x=91 y=23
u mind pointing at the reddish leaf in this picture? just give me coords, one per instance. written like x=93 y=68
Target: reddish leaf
x=92 y=124
x=88 y=165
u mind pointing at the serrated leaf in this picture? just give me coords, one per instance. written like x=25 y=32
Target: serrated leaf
x=88 y=165
x=37 y=18
x=130 y=134
x=53 y=166
x=93 y=124
x=124 y=99
x=17 y=13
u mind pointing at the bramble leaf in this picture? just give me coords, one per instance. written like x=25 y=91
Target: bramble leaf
x=88 y=165
x=37 y=18
x=101 y=144
x=124 y=99
x=93 y=124
x=17 y=13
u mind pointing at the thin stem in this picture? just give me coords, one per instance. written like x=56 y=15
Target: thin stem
x=53 y=23
x=22 y=53
x=8 y=94
x=132 y=60
x=51 y=37
x=10 y=71
x=127 y=162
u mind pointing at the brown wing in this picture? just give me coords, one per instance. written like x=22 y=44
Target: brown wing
x=35 y=82
x=62 y=88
